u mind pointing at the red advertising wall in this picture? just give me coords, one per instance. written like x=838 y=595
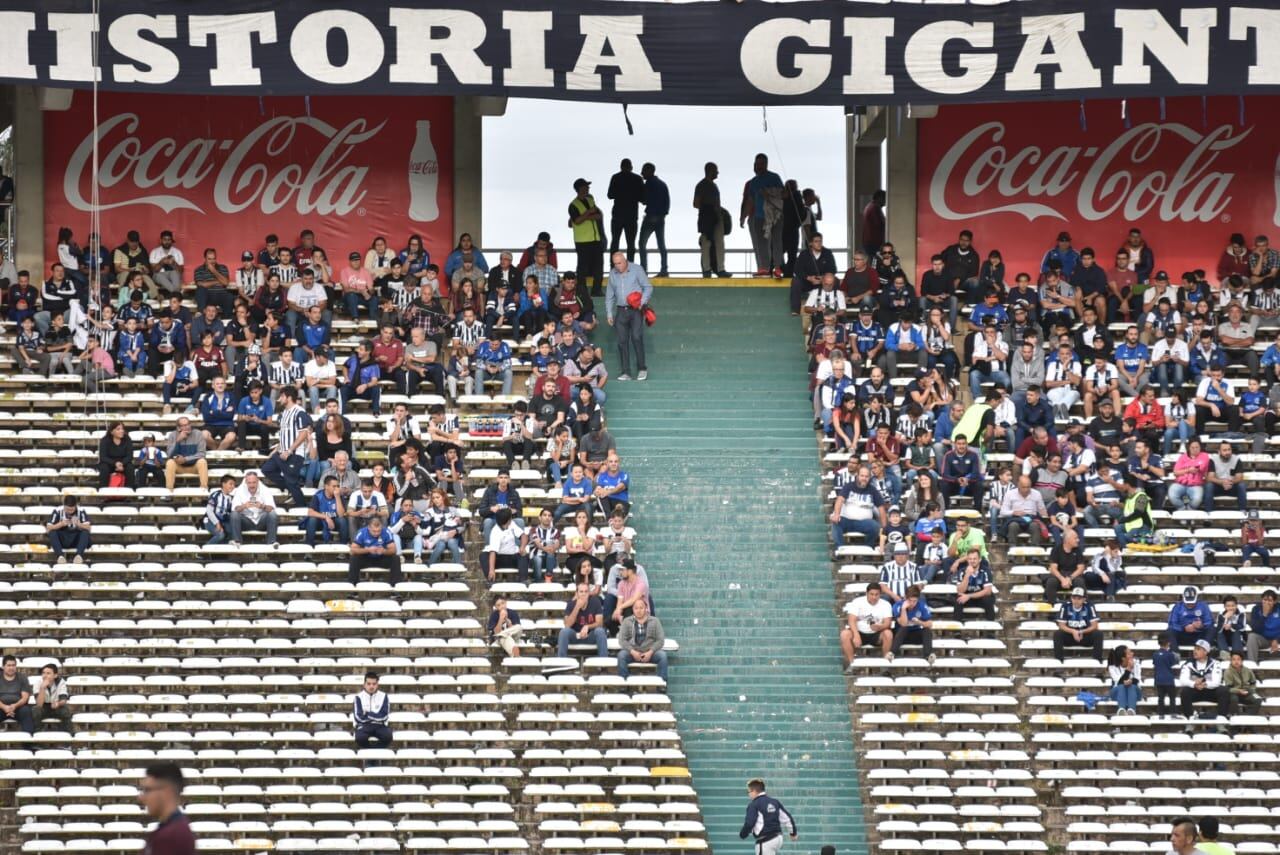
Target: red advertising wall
x=225 y=171
x=1018 y=174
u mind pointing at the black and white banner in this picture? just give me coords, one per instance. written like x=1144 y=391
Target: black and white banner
x=639 y=52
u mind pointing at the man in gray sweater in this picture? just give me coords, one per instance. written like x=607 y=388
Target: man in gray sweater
x=1026 y=368
x=641 y=639
x=186 y=450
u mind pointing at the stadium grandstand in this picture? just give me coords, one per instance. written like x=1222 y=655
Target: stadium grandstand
x=326 y=526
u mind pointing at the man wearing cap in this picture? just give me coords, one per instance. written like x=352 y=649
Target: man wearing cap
x=249 y=278
x=1201 y=680
x=899 y=573
x=1264 y=627
x=1064 y=254
x=1077 y=626
x=1190 y=619
x=587 y=222
x=626 y=279
x=356 y=284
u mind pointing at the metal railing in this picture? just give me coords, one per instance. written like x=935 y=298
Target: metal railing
x=683 y=262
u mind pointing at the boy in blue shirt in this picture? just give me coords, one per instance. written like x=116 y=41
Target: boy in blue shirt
x=1165 y=666
x=990 y=307
x=913 y=622
x=148 y=463
x=326 y=515
x=131 y=349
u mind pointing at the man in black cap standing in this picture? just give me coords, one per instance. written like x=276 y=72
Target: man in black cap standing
x=587 y=223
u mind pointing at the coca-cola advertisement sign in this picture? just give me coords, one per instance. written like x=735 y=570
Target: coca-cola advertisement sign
x=1017 y=175
x=223 y=172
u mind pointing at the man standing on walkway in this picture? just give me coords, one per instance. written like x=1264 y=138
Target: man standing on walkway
x=624 y=280
x=626 y=189
x=657 y=204
x=766 y=820
x=762 y=200
x=706 y=198
x=587 y=222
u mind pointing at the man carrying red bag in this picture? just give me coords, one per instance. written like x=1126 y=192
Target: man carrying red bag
x=626 y=307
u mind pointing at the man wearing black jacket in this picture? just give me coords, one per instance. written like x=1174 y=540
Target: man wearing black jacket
x=498 y=495
x=1090 y=281
x=961 y=264
x=626 y=189
x=809 y=268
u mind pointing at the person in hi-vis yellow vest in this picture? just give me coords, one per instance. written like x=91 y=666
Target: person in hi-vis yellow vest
x=587 y=223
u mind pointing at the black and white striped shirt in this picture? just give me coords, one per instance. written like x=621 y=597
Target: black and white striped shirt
x=286 y=375
x=471 y=335
x=79 y=517
x=898 y=577
x=1267 y=299
x=248 y=281
x=287 y=272
x=293 y=421
x=218 y=508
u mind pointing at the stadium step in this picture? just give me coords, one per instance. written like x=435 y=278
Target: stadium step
x=726 y=485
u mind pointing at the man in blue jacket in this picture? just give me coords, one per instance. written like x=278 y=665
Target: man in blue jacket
x=766 y=820
x=1191 y=619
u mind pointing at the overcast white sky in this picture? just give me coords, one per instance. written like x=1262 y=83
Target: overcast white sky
x=533 y=154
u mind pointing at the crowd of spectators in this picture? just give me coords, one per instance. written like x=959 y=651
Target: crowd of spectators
x=257 y=367
x=1105 y=392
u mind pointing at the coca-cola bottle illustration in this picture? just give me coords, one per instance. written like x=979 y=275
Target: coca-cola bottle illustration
x=424 y=176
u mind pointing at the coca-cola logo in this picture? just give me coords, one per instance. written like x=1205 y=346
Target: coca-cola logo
x=255 y=169
x=1119 y=179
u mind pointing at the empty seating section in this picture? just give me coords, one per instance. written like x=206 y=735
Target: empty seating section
x=238 y=664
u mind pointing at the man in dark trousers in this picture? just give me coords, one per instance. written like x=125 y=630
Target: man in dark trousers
x=766 y=820
x=587 y=222
x=160 y=794
x=626 y=189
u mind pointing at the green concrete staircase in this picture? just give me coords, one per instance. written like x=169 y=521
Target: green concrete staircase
x=721 y=454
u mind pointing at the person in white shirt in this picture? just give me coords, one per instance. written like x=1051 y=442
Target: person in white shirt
x=166 y=264
x=253 y=507
x=370 y=713
x=321 y=377
x=50 y=698
x=868 y=619
x=1201 y=680
x=825 y=297
x=304 y=294
x=365 y=504
x=506 y=548
x=1169 y=360
x=1062 y=377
